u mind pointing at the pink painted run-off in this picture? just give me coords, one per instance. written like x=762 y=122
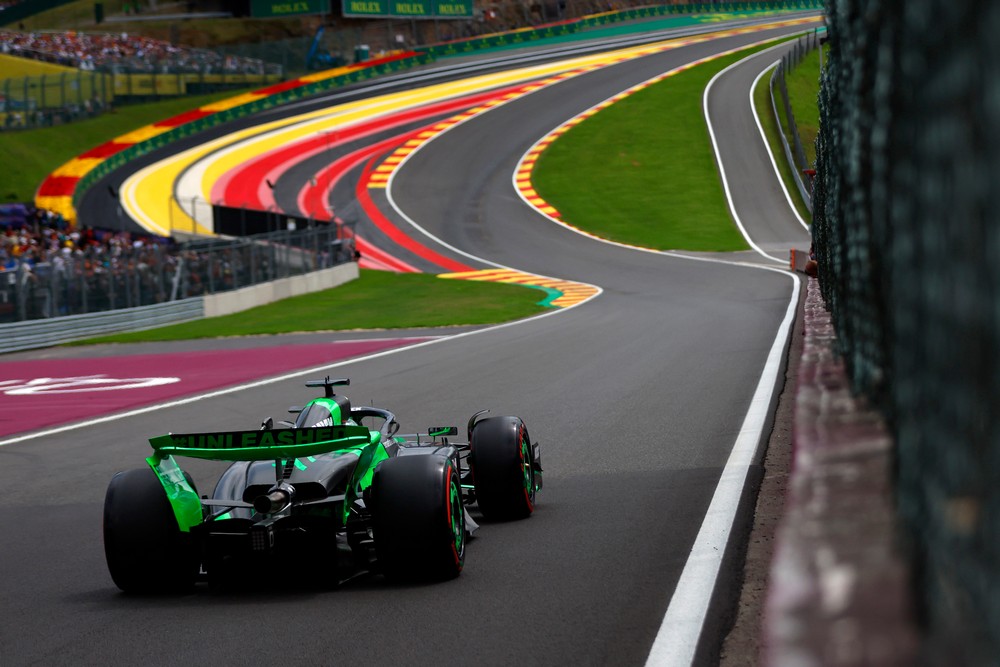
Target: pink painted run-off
x=197 y=372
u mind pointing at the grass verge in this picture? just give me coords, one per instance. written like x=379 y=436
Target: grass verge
x=643 y=171
x=803 y=92
x=376 y=300
x=38 y=152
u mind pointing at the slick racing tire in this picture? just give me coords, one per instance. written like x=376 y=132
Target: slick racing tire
x=502 y=470
x=418 y=518
x=145 y=550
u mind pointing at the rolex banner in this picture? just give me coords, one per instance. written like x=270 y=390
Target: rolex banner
x=279 y=8
x=409 y=9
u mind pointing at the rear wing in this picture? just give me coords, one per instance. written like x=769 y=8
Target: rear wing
x=263 y=445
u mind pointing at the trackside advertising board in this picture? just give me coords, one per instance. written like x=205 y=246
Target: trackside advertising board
x=409 y=9
x=279 y=8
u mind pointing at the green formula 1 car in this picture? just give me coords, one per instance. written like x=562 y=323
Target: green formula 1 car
x=327 y=495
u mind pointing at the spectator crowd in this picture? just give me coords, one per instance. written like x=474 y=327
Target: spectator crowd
x=85 y=269
x=36 y=236
x=49 y=268
x=122 y=52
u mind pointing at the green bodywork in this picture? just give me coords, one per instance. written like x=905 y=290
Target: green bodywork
x=183 y=498
x=262 y=445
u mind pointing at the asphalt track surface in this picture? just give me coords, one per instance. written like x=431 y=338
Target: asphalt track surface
x=636 y=398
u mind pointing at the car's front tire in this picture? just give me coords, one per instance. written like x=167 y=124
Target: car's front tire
x=145 y=550
x=418 y=518
x=502 y=470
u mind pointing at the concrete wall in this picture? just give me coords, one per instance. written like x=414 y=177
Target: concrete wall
x=235 y=301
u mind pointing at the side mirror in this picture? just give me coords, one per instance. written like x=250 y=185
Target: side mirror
x=267 y=424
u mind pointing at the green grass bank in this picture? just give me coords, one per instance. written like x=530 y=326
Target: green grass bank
x=40 y=151
x=643 y=170
x=373 y=301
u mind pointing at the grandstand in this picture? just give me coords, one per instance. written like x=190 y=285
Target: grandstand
x=121 y=52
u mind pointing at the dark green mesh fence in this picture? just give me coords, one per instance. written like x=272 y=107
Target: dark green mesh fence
x=908 y=240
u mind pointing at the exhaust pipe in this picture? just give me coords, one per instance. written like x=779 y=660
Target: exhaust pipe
x=275 y=500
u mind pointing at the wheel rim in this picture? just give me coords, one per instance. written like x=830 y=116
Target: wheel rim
x=457 y=517
x=527 y=471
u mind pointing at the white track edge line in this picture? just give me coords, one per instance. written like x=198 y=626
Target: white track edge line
x=677 y=639
x=767 y=145
x=462 y=253
x=718 y=155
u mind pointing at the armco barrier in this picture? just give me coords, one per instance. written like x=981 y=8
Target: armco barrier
x=34 y=334
x=789 y=156
x=461 y=47
x=795 y=158
x=699 y=8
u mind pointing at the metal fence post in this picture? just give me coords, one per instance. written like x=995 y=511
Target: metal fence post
x=19 y=296
x=127 y=285
x=111 y=284
x=83 y=287
x=210 y=260
x=53 y=292
x=134 y=276
x=253 y=263
x=314 y=234
x=272 y=267
x=304 y=255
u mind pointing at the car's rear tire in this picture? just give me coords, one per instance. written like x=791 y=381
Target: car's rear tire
x=502 y=470
x=145 y=550
x=418 y=518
